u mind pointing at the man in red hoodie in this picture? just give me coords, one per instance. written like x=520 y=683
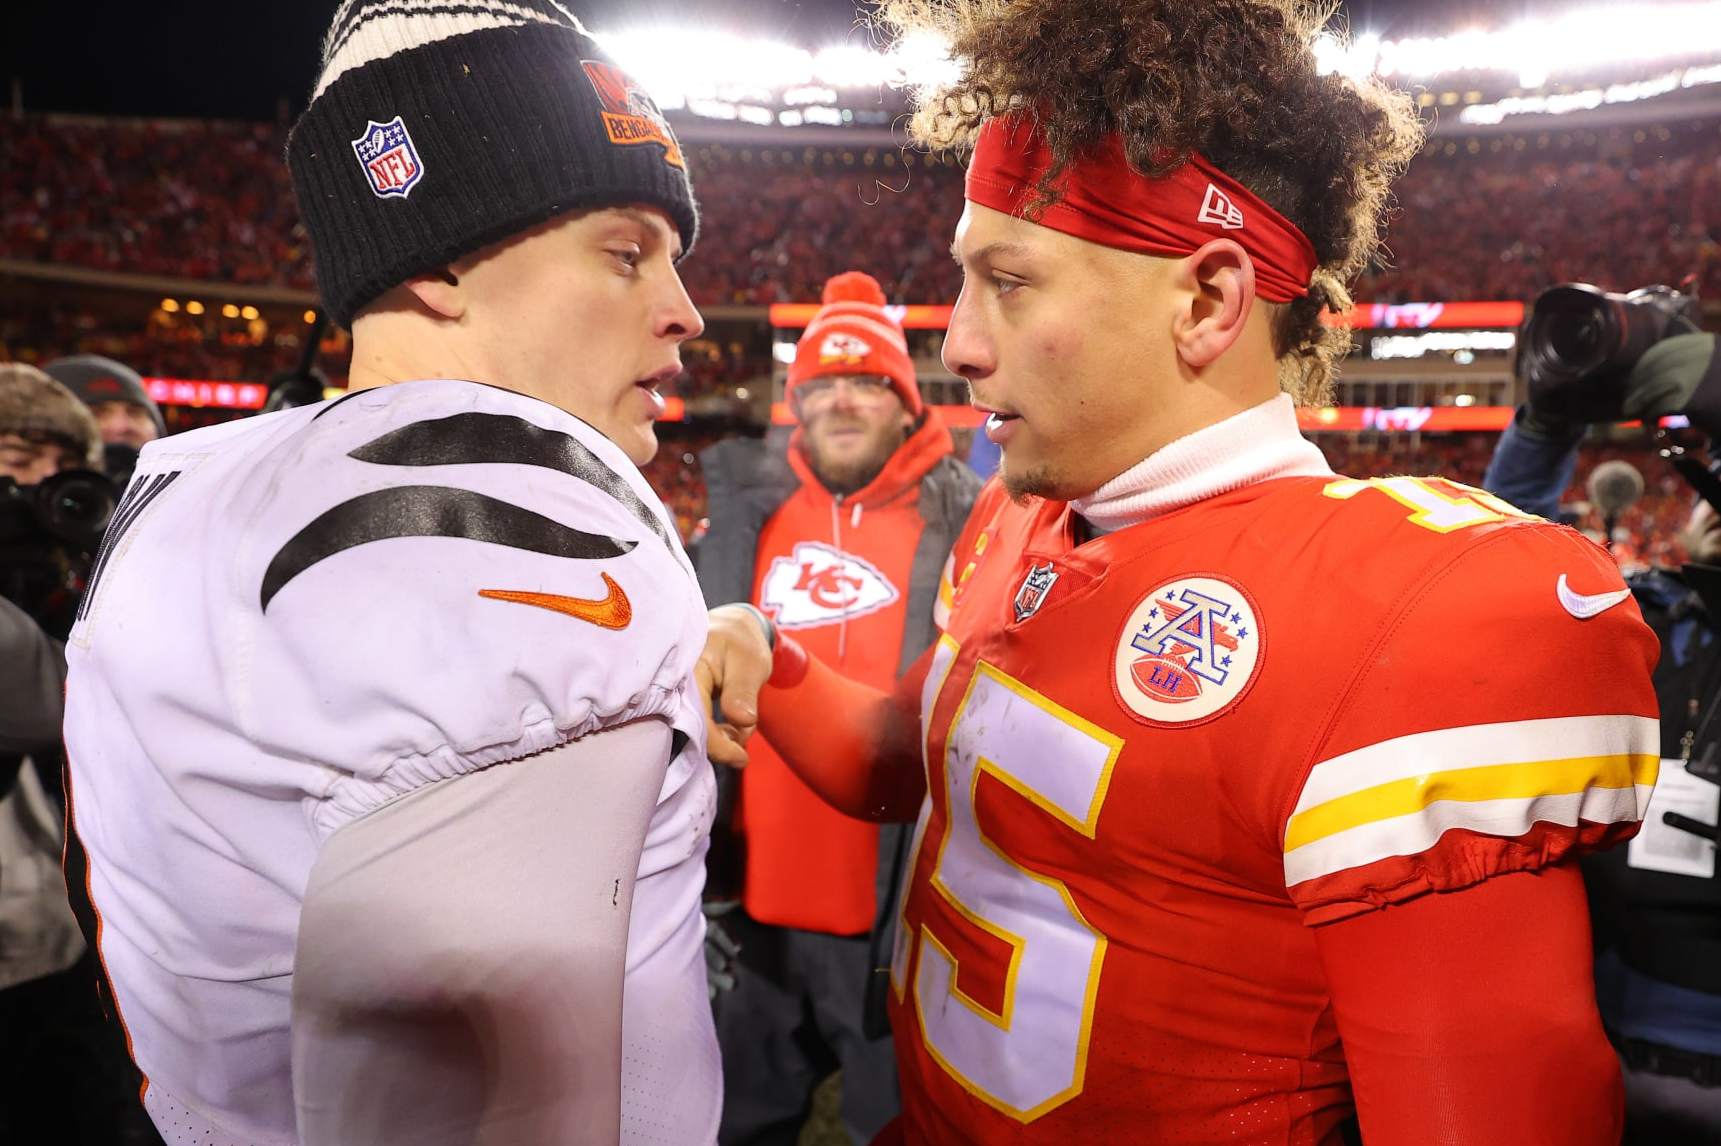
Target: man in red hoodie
x=841 y=540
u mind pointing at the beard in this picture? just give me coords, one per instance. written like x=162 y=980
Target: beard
x=847 y=475
x=1036 y=481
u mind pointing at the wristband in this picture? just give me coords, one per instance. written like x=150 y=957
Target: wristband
x=765 y=623
x=789 y=664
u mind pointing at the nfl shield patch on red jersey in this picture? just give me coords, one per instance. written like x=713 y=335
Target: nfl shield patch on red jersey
x=1034 y=588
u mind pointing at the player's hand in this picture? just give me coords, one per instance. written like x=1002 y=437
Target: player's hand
x=733 y=668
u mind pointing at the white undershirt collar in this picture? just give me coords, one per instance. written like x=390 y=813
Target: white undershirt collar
x=1257 y=445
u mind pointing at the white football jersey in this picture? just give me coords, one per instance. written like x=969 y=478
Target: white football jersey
x=299 y=617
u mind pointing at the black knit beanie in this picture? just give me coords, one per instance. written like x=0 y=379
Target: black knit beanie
x=95 y=379
x=439 y=127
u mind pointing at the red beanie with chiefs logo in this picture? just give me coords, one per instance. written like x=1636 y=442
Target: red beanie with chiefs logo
x=854 y=334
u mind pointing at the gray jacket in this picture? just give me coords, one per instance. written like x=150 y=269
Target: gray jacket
x=38 y=933
x=748 y=480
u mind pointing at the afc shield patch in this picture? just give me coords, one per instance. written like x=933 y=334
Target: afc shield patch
x=389 y=159
x=1188 y=651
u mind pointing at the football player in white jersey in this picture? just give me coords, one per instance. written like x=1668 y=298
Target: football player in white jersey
x=388 y=771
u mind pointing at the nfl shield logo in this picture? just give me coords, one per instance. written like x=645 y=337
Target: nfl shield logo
x=389 y=159
x=1033 y=592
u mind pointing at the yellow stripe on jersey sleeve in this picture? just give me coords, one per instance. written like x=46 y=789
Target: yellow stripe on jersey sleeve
x=1397 y=797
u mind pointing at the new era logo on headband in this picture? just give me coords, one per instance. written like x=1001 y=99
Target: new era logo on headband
x=389 y=159
x=1218 y=208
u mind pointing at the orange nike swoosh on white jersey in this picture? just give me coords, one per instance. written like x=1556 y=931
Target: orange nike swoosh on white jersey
x=609 y=612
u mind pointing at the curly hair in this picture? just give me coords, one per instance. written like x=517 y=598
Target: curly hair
x=1235 y=80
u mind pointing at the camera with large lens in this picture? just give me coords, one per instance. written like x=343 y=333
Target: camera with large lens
x=1581 y=342
x=49 y=534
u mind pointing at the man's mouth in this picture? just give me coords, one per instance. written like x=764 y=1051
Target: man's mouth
x=995 y=418
x=656 y=378
x=1000 y=424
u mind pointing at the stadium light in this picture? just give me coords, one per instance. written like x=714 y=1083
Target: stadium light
x=170 y=305
x=193 y=307
x=681 y=65
x=1536 y=49
x=1395 y=346
x=715 y=74
x=795 y=97
x=1588 y=99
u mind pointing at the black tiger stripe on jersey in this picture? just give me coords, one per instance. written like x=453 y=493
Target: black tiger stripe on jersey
x=480 y=439
x=430 y=511
x=138 y=495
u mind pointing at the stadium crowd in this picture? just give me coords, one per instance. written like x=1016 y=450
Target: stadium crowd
x=1646 y=534
x=1495 y=219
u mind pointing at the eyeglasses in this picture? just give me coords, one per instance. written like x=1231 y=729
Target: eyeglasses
x=820 y=391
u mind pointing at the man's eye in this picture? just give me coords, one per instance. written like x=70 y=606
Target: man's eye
x=1004 y=285
x=627 y=256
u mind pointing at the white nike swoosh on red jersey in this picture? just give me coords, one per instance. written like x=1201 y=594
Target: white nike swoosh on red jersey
x=1583 y=606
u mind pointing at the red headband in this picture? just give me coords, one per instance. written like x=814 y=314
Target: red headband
x=1106 y=201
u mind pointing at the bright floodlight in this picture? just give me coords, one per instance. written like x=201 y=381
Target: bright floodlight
x=679 y=66
x=1535 y=49
x=697 y=68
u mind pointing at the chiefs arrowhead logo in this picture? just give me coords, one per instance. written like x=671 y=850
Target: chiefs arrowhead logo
x=847 y=349
x=819 y=585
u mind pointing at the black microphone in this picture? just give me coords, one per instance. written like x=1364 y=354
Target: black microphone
x=1614 y=487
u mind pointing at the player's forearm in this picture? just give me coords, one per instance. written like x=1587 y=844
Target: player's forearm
x=463 y=952
x=856 y=746
x=1468 y=1018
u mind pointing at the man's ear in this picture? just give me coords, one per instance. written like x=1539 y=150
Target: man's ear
x=1219 y=282
x=440 y=293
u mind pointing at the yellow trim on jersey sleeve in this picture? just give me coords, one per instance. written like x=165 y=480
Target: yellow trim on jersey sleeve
x=1397 y=797
x=1470 y=785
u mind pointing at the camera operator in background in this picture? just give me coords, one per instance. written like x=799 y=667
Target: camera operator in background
x=125 y=414
x=65 y=1081
x=1591 y=358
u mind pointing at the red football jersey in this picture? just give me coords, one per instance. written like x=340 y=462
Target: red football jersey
x=1156 y=759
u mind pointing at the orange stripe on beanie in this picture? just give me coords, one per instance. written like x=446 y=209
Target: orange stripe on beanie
x=853 y=333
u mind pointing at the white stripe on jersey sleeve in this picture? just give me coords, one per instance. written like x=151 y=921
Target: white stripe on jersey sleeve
x=1419 y=831
x=1476 y=745
x=1398 y=797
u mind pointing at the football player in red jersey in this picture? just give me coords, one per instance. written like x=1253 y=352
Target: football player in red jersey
x=1247 y=793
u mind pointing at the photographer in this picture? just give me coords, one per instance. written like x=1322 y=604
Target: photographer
x=126 y=416
x=65 y=1078
x=1657 y=904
